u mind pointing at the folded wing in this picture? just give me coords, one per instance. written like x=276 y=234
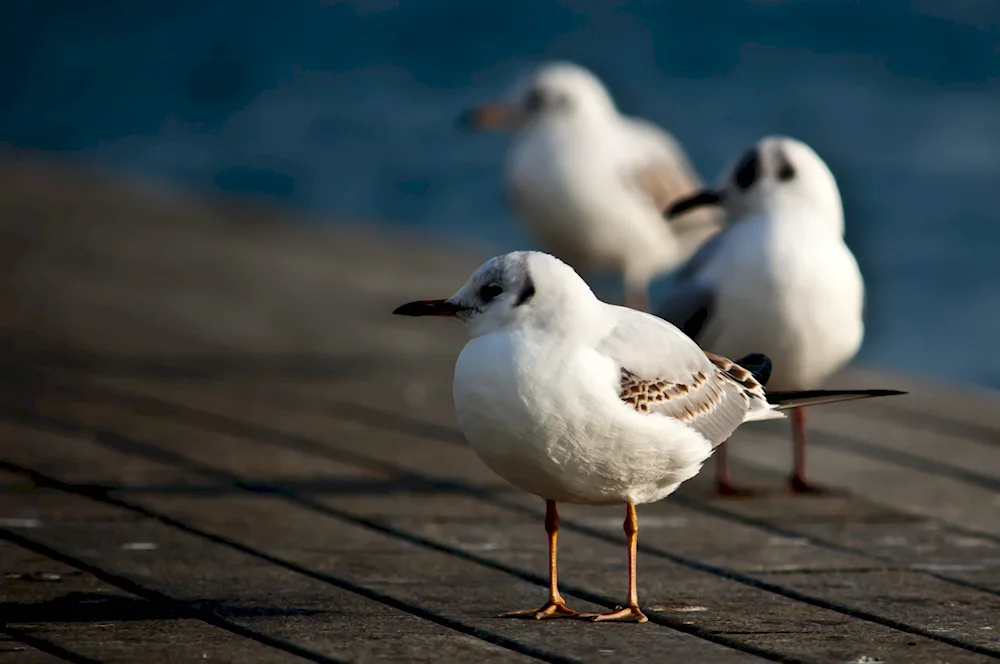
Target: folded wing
x=663 y=371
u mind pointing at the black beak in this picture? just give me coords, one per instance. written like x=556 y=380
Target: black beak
x=697 y=200
x=428 y=308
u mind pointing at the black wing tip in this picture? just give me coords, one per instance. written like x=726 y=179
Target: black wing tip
x=860 y=393
x=830 y=393
x=798 y=398
x=759 y=365
x=754 y=358
x=885 y=393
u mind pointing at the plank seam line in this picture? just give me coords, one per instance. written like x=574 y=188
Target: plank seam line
x=43 y=645
x=974 y=432
x=429 y=431
x=304 y=444
x=377 y=419
x=948 y=526
x=215 y=422
x=94 y=494
x=157 y=597
x=374 y=417
x=124 y=444
x=905 y=459
x=760 y=524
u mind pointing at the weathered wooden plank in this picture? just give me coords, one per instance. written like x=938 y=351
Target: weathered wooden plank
x=457 y=590
x=937 y=405
x=885 y=472
x=911 y=444
x=780 y=513
x=756 y=444
x=48 y=601
x=17 y=647
x=268 y=599
x=934 y=495
x=215 y=447
x=286 y=331
x=727 y=551
x=877 y=464
x=229 y=279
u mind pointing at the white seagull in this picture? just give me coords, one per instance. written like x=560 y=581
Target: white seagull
x=780 y=280
x=591 y=184
x=576 y=400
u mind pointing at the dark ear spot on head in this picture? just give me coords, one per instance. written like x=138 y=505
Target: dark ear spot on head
x=785 y=169
x=748 y=170
x=526 y=293
x=534 y=100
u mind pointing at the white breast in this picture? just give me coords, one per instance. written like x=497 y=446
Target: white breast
x=795 y=294
x=547 y=418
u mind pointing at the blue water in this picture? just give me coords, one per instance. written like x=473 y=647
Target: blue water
x=347 y=108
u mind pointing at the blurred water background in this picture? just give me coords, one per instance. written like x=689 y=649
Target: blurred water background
x=348 y=108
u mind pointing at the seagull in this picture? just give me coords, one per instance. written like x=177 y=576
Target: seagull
x=779 y=280
x=590 y=183
x=576 y=400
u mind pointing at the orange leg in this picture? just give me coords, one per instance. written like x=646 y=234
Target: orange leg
x=556 y=606
x=631 y=612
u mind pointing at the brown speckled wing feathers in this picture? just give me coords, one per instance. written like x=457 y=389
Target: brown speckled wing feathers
x=713 y=403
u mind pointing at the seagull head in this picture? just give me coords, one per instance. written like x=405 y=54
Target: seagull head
x=515 y=290
x=554 y=92
x=778 y=173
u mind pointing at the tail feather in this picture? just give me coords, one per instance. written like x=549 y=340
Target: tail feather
x=764 y=413
x=759 y=365
x=799 y=398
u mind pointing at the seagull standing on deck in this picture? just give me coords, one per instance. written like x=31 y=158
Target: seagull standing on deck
x=780 y=280
x=591 y=184
x=576 y=400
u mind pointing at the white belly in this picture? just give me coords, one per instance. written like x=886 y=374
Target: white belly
x=580 y=208
x=555 y=428
x=806 y=315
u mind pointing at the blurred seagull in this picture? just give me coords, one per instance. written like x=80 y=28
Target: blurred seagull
x=591 y=184
x=576 y=400
x=780 y=280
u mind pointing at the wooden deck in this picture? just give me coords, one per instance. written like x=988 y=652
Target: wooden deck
x=217 y=445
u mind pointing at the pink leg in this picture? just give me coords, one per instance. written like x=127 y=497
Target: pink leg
x=723 y=484
x=798 y=483
x=637 y=296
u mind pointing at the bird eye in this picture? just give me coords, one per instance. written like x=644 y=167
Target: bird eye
x=489 y=292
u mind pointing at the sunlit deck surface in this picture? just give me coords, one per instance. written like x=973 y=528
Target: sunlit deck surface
x=217 y=444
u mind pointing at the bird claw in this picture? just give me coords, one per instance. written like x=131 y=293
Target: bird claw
x=799 y=485
x=628 y=614
x=731 y=490
x=552 y=609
